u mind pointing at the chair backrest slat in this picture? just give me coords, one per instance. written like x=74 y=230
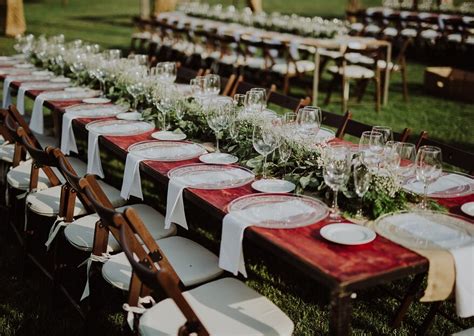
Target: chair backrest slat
x=337 y=121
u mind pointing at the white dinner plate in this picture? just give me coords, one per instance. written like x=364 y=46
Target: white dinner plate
x=166 y=150
x=41 y=73
x=347 y=234
x=449 y=185
x=75 y=89
x=119 y=127
x=273 y=186
x=24 y=66
x=129 y=116
x=218 y=158
x=96 y=100
x=60 y=80
x=168 y=136
x=468 y=208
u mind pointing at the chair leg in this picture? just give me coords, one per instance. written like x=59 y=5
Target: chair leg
x=377 y=94
x=362 y=89
x=429 y=319
x=332 y=84
x=408 y=299
x=404 y=82
x=345 y=93
x=286 y=85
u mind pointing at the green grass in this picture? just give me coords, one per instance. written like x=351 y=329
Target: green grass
x=25 y=303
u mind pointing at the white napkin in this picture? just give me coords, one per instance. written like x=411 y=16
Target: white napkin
x=132 y=184
x=460 y=246
x=231 y=255
x=68 y=140
x=36 y=122
x=175 y=204
x=7 y=97
x=445 y=182
x=20 y=100
x=94 y=165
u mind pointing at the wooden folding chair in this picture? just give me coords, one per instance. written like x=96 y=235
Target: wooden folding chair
x=287 y=102
x=255 y=314
x=451 y=155
x=337 y=121
x=242 y=87
x=356 y=128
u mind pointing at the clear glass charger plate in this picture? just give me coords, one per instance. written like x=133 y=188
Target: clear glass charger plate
x=119 y=127
x=449 y=185
x=95 y=111
x=272 y=210
x=425 y=229
x=66 y=95
x=166 y=150
x=212 y=176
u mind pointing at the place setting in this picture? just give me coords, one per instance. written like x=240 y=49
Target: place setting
x=109 y=128
x=152 y=150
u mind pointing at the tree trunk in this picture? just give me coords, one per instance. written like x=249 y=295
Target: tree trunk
x=13 y=21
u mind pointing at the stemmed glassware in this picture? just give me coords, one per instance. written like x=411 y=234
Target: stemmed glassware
x=166 y=72
x=371 y=144
x=429 y=166
x=309 y=122
x=135 y=85
x=407 y=153
x=212 y=85
x=386 y=132
x=336 y=170
x=219 y=116
x=165 y=97
x=362 y=178
x=265 y=139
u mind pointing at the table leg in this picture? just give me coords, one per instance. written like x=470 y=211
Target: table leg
x=316 y=78
x=340 y=318
x=387 y=74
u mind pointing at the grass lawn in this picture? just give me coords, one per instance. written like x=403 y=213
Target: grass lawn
x=25 y=305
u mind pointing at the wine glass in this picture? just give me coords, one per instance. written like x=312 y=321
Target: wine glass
x=141 y=59
x=336 y=171
x=239 y=103
x=428 y=168
x=386 y=132
x=371 y=144
x=407 y=153
x=213 y=84
x=166 y=97
x=218 y=117
x=362 y=178
x=309 y=120
x=265 y=139
x=254 y=101
x=113 y=54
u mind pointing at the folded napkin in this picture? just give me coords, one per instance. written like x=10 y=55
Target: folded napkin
x=68 y=140
x=461 y=248
x=132 y=184
x=445 y=182
x=36 y=122
x=174 y=203
x=7 y=98
x=94 y=165
x=231 y=256
x=35 y=86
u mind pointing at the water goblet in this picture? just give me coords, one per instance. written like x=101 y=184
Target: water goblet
x=218 y=116
x=428 y=168
x=362 y=177
x=265 y=139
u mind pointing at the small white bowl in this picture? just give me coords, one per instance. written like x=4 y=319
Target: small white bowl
x=468 y=208
x=168 y=136
x=273 y=186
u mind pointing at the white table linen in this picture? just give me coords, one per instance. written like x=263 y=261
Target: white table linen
x=132 y=183
x=94 y=165
x=68 y=140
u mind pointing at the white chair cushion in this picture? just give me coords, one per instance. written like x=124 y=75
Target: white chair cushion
x=19 y=177
x=352 y=71
x=455 y=38
x=46 y=141
x=225 y=307
x=357 y=26
x=372 y=28
x=193 y=263
x=409 y=32
x=390 y=31
x=142 y=35
x=354 y=57
x=6 y=152
x=302 y=66
x=329 y=53
x=255 y=62
x=80 y=233
x=46 y=202
x=429 y=34
x=470 y=40
x=382 y=64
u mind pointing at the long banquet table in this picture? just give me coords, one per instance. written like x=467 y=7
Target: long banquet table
x=339 y=43
x=341 y=269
